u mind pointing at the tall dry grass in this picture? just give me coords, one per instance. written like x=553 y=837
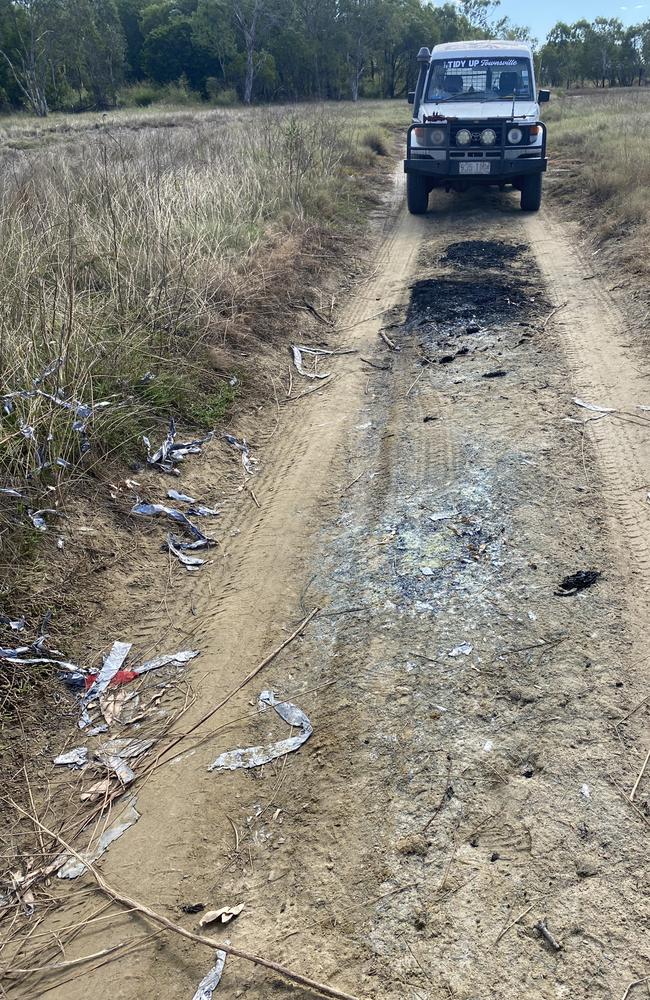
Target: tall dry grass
x=601 y=142
x=126 y=252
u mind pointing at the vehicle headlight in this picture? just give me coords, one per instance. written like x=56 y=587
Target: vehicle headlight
x=436 y=136
x=463 y=137
x=515 y=135
x=488 y=137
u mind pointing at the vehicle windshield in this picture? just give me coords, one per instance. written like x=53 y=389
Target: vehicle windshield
x=491 y=78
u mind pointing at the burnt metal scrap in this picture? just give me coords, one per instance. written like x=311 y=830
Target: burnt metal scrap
x=112 y=673
x=258 y=755
x=37 y=517
x=82 y=412
x=170 y=453
x=160 y=510
x=246 y=458
x=581 y=580
x=112 y=663
x=175 y=546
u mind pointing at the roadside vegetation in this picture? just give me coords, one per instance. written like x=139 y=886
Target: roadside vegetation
x=601 y=167
x=137 y=266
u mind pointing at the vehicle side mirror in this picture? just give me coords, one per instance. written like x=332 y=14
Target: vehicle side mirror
x=411 y=97
x=543 y=97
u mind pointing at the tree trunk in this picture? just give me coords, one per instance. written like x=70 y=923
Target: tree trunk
x=249 y=31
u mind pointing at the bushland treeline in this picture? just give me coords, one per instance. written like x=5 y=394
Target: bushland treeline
x=81 y=54
x=603 y=53
x=73 y=55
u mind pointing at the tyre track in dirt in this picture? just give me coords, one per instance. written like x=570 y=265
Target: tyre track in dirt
x=596 y=339
x=440 y=795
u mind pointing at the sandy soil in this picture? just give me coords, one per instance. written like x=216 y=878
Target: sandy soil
x=472 y=757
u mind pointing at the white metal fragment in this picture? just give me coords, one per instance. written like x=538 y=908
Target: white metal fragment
x=256 y=756
x=426 y=571
x=592 y=406
x=210 y=982
x=585 y=791
x=247 y=459
x=297 y=360
x=465 y=648
x=73 y=867
x=119 y=766
x=177 y=659
x=124 y=748
x=75 y=758
x=443 y=515
x=112 y=663
x=191 y=563
x=180 y=497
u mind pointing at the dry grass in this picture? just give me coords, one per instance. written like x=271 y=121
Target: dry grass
x=130 y=247
x=600 y=143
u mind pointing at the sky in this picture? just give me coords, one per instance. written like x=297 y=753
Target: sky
x=540 y=17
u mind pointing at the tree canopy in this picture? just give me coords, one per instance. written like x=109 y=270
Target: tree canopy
x=81 y=54
x=602 y=52
x=78 y=54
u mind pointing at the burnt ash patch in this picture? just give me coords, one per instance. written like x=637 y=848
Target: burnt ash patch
x=466 y=301
x=483 y=254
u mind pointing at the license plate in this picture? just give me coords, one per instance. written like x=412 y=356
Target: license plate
x=479 y=167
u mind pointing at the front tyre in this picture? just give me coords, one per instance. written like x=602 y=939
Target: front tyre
x=417 y=194
x=531 y=192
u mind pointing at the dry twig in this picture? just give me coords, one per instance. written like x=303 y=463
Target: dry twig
x=513 y=922
x=162 y=921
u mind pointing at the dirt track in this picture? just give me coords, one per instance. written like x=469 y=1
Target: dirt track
x=435 y=499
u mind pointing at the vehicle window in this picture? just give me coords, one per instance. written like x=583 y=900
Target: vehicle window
x=487 y=79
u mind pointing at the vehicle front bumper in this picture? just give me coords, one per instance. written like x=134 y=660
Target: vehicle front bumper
x=504 y=162
x=500 y=169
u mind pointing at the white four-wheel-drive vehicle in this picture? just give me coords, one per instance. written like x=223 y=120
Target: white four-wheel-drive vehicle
x=476 y=121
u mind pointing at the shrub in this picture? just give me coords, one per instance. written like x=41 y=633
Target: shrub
x=139 y=95
x=376 y=140
x=218 y=97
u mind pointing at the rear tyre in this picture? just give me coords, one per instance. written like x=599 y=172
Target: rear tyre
x=417 y=194
x=531 y=192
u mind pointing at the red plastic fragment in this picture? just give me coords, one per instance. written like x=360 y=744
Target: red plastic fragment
x=121 y=677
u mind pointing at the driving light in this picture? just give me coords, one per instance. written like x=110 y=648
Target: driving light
x=463 y=137
x=515 y=135
x=488 y=137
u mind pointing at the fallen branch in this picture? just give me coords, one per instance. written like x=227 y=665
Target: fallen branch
x=353 y=482
x=158 y=918
x=386 y=339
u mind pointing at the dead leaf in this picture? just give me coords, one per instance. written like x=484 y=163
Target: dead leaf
x=96 y=791
x=223 y=916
